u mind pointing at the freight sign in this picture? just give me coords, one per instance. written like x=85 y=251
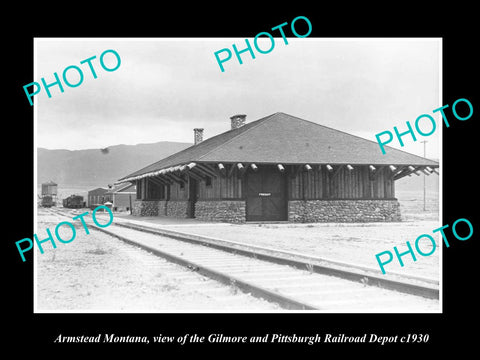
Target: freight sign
x=57 y=233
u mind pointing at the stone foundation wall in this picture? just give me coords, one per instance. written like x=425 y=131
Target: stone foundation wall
x=344 y=210
x=221 y=210
x=162 y=207
x=303 y=211
x=176 y=208
x=145 y=208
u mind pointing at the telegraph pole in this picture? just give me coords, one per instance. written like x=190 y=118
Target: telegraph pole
x=424 y=176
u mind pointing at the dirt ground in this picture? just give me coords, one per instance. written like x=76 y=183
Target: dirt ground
x=99 y=273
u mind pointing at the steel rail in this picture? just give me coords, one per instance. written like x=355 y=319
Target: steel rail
x=283 y=301
x=284 y=258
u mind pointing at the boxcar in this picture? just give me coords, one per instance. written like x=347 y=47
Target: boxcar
x=74 y=202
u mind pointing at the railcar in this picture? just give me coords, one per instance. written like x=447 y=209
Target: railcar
x=74 y=202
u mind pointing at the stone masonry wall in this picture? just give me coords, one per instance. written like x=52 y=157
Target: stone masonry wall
x=176 y=208
x=223 y=210
x=344 y=210
x=303 y=211
x=145 y=208
x=162 y=207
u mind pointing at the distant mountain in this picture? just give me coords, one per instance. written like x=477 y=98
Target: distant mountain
x=100 y=167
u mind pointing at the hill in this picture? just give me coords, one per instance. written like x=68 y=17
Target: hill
x=99 y=167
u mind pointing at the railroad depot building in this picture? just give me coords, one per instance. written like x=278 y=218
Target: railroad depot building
x=277 y=168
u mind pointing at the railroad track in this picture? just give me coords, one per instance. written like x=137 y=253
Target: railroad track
x=287 y=281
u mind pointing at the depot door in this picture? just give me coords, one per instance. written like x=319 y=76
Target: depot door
x=266 y=195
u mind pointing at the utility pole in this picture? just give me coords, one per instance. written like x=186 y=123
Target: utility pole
x=424 y=176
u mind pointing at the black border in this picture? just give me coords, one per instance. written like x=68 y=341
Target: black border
x=452 y=329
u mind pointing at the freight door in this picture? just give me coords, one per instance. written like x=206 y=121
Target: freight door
x=266 y=195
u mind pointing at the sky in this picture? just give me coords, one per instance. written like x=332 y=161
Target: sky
x=165 y=87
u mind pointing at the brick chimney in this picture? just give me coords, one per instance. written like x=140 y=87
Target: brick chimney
x=197 y=136
x=238 y=121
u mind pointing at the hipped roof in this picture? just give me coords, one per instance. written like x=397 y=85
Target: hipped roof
x=285 y=139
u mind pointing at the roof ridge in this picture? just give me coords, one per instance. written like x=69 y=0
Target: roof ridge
x=260 y=122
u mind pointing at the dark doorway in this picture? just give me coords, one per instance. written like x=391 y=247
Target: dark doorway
x=266 y=195
x=192 y=197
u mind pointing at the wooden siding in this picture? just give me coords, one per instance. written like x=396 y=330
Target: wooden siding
x=177 y=192
x=319 y=183
x=358 y=183
x=221 y=188
x=140 y=184
x=228 y=187
x=154 y=191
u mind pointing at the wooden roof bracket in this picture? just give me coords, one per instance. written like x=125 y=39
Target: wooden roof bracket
x=336 y=171
x=404 y=171
x=241 y=170
x=232 y=169
x=208 y=170
x=378 y=170
x=198 y=171
x=414 y=170
x=158 y=181
x=221 y=169
x=174 y=178
x=196 y=176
